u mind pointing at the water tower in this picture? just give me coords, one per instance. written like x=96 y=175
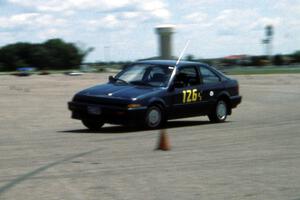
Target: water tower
x=165 y=33
x=269 y=32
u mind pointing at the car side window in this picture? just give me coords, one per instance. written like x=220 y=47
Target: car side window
x=186 y=76
x=208 y=76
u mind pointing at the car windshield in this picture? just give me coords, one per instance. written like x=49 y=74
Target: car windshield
x=146 y=74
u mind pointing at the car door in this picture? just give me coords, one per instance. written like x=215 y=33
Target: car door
x=210 y=87
x=186 y=96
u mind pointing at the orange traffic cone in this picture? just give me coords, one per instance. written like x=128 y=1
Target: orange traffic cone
x=164 y=143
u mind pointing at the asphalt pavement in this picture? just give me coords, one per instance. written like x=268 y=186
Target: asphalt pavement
x=46 y=155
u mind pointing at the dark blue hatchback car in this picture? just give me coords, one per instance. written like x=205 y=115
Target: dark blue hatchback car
x=151 y=92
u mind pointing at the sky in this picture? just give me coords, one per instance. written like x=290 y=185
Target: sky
x=123 y=30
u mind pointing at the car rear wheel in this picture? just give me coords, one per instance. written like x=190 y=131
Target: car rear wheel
x=154 y=117
x=93 y=125
x=219 y=113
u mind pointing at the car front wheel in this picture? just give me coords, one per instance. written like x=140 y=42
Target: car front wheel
x=219 y=113
x=154 y=117
x=93 y=125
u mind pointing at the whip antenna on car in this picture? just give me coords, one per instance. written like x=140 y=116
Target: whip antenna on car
x=182 y=52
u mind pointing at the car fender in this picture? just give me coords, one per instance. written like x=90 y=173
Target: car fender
x=223 y=93
x=158 y=100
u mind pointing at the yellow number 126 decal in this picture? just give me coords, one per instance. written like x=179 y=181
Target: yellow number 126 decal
x=191 y=96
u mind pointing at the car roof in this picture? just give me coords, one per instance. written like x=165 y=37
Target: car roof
x=170 y=62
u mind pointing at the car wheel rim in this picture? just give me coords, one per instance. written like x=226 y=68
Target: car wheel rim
x=221 y=110
x=154 y=118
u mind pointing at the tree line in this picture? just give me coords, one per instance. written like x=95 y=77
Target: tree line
x=260 y=60
x=52 y=54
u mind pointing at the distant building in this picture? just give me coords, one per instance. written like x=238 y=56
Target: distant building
x=242 y=59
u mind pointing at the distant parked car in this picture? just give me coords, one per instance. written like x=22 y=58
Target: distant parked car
x=152 y=92
x=24 y=71
x=74 y=73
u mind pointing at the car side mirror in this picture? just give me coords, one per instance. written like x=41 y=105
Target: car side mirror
x=111 y=79
x=178 y=84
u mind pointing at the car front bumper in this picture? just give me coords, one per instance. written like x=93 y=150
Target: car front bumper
x=109 y=114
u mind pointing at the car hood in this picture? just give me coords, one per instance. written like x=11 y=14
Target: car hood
x=118 y=90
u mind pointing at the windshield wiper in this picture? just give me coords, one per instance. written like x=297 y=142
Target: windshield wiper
x=118 y=79
x=141 y=83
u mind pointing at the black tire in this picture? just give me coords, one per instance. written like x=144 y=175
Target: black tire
x=93 y=125
x=155 y=117
x=219 y=112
